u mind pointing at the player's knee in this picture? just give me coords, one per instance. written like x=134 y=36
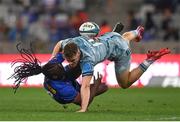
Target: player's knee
x=124 y=86
x=123 y=83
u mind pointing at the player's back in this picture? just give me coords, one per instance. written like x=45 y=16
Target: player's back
x=115 y=44
x=95 y=52
x=111 y=46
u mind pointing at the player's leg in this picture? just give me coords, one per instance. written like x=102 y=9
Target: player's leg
x=135 y=35
x=127 y=78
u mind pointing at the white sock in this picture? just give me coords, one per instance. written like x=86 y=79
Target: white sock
x=145 y=64
x=135 y=32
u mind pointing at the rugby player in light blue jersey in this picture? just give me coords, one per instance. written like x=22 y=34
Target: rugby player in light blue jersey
x=111 y=46
x=60 y=82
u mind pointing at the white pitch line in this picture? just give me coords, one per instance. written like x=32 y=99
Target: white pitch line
x=165 y=118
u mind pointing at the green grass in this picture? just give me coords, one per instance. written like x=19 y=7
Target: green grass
x=116 y=104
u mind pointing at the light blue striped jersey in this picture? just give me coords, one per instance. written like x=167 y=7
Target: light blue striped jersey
x=110 y=46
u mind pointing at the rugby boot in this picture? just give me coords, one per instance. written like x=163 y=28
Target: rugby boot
x=154 y=55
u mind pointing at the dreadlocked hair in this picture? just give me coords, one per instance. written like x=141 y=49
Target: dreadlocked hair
x=30 y=66
x=54 y=71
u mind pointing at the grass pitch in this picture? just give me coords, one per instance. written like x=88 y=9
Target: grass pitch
x=116 y=104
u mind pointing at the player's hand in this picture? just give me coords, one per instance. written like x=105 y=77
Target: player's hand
x=97 y=81
x=99 y=77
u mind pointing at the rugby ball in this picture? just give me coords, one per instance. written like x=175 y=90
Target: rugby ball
x=89 y=29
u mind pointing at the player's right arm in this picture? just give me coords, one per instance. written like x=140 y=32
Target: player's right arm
x=56 y=49
x=87 y=73
x=85 y=93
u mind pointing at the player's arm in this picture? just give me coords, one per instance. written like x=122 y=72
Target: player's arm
x=85 y=93
x=87 y=73
x=57 y=59
x=56 y=49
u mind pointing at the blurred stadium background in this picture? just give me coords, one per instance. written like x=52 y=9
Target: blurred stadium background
x=45 y=22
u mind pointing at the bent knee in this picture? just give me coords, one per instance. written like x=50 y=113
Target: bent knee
x=124 y=86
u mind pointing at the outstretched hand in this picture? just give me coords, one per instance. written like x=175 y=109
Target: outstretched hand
x=99 y=77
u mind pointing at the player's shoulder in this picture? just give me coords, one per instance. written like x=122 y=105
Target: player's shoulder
x=63 y=42
x=80 y=38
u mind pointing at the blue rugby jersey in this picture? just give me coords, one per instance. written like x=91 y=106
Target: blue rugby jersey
x=63 y=91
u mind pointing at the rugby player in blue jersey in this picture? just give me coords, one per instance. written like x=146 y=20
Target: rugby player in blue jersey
x=111 y=46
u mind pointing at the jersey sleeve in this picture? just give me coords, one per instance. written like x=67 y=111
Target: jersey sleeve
x=87 y=68
x=57 y=59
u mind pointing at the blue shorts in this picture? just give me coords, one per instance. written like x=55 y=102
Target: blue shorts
x=62 y=91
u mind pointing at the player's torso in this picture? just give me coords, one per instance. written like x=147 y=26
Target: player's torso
x=110 y=46
x=95 y=52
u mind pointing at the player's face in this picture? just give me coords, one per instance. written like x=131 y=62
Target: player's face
x=74 y=60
